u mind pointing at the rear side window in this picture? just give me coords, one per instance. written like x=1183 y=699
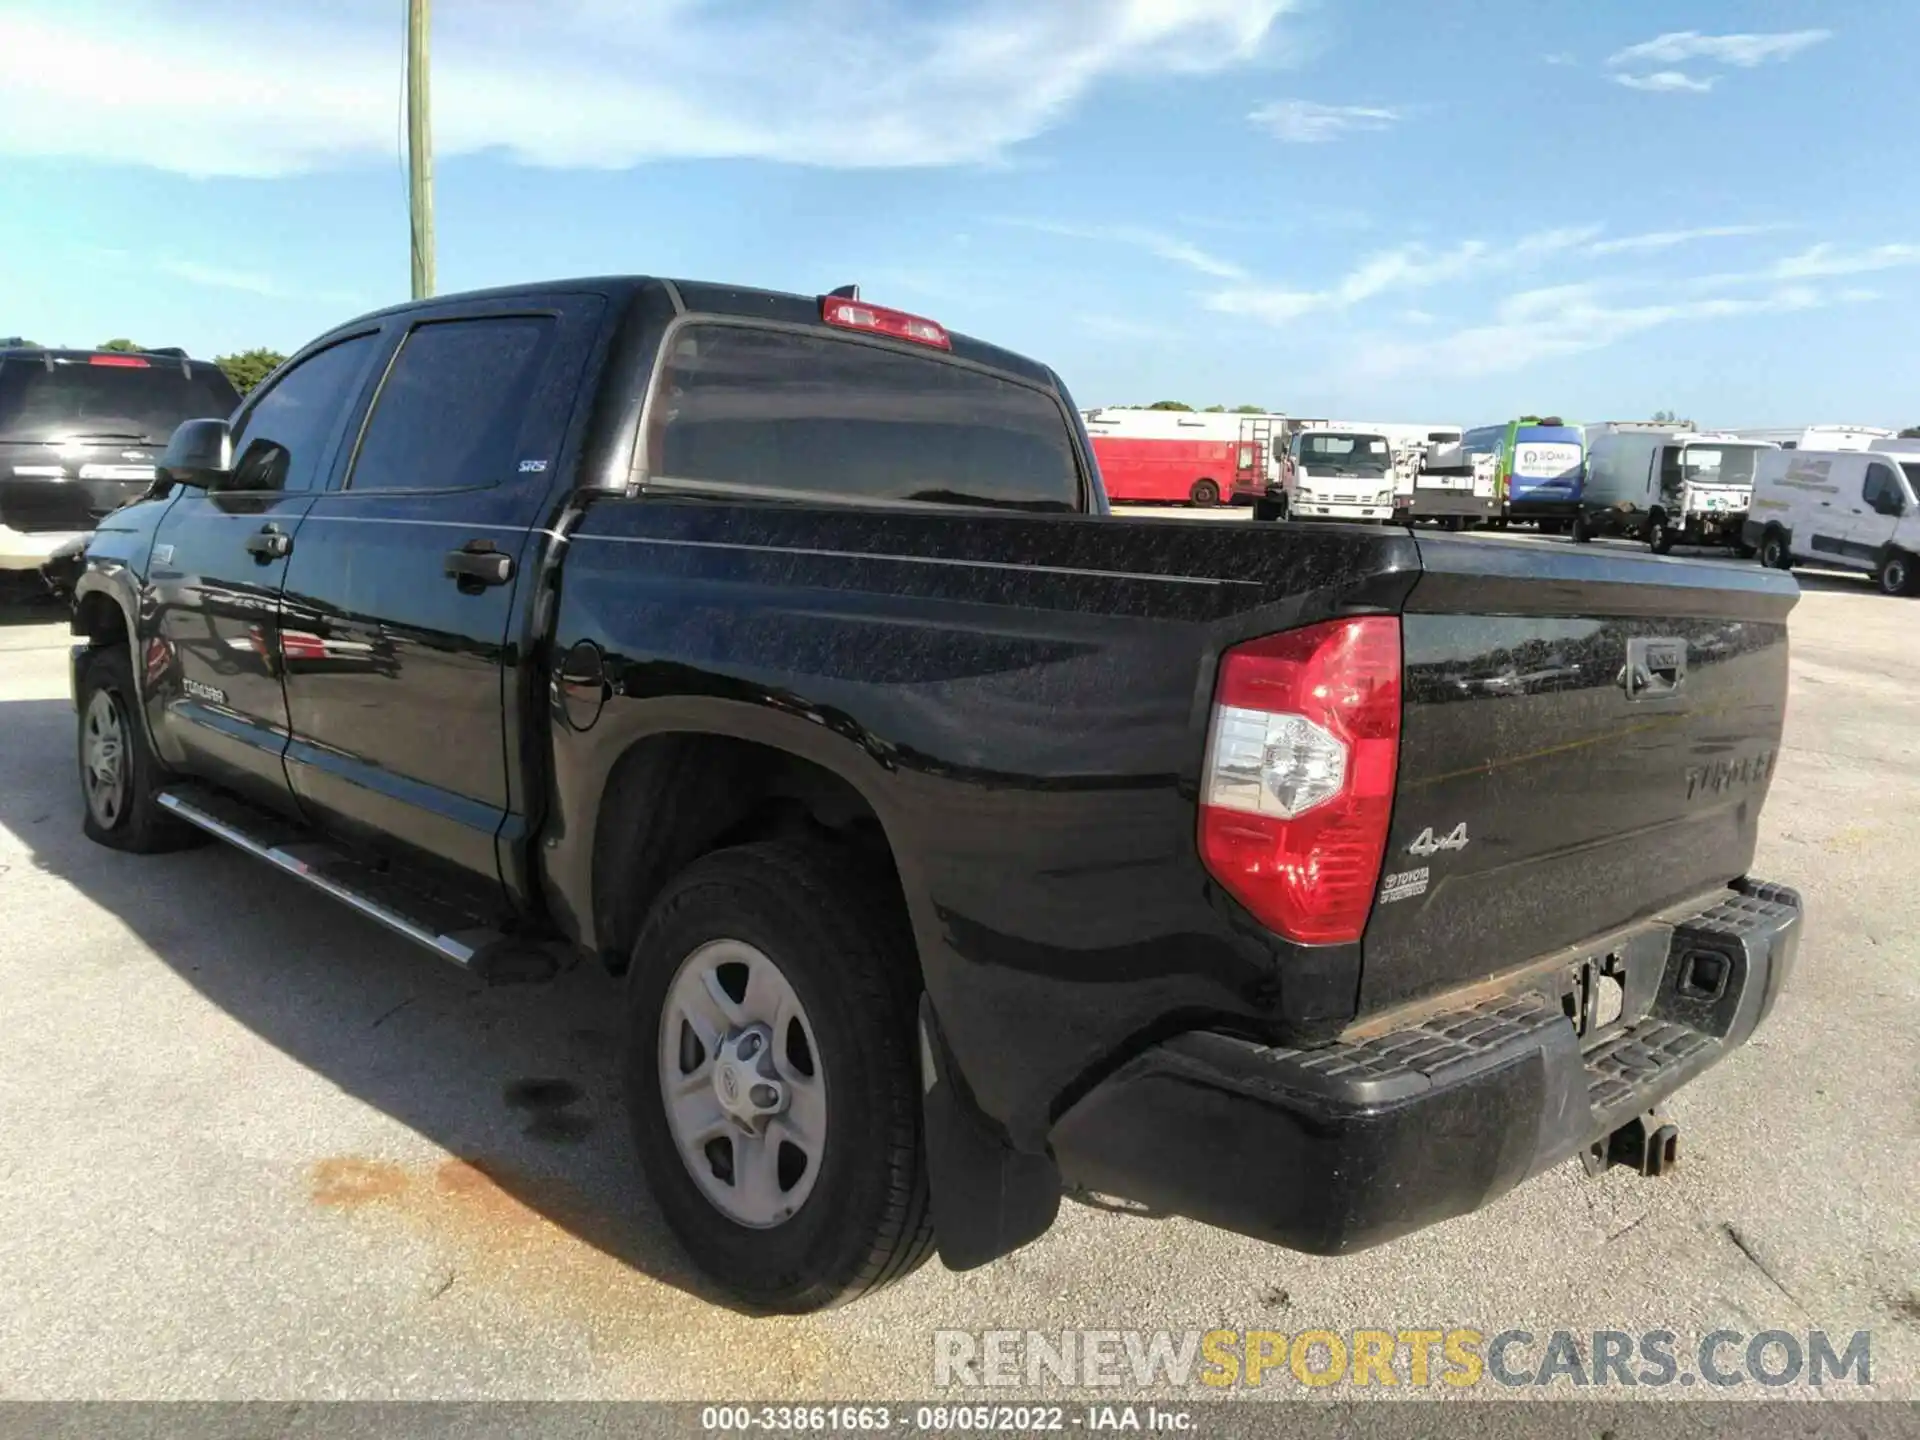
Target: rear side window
x=772 y=411
x=450 y=412
x=121 y=397
x=283 y=438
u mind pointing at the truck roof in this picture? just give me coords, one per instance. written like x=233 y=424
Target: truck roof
x=171 y=354
x=711 y=298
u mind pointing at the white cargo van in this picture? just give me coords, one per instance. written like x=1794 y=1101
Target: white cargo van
x=1667 y=485
x=1850 y=508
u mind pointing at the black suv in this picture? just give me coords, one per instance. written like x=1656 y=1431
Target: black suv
x=79 y=432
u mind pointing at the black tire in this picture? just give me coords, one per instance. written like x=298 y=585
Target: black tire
x=836 y=935
x=1774 y=553
x=1580 y=531
x=1205 y=494
x=1659 y=537
x=1894 y=574
x=134 y=820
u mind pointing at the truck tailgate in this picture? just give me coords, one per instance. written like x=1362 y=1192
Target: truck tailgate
x=1587 y=738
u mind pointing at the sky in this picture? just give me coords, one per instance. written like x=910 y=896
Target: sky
x=1381 y=209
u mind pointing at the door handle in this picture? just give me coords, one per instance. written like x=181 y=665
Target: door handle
x=270 y=542
x=476 y=565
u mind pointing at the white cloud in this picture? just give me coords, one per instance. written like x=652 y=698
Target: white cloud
x=248 y=282
x=217 y=87
x=1743 y=51
x=1539 y=325
x=1411 y=267
x=1668 y=239
x=1559 y=57
x=1827 y=260
x=1307 y=122
x=1167 y=247
x=1666 y=81
x=218 y=278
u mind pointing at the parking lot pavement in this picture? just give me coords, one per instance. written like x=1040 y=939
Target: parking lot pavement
x=255 y=1147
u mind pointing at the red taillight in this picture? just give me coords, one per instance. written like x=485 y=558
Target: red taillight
x=859 y=315
x=1298 y=787
x=124 y=362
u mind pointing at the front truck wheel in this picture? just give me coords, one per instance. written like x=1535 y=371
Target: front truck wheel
x=773 y=1082
x=119 y=773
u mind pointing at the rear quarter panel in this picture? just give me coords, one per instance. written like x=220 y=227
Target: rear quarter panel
x=1021 y=699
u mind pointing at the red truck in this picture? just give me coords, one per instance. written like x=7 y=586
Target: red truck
x=1179 y=457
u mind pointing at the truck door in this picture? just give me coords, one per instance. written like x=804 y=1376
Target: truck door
x=401 y=596
x=1835 y=490
x=215 y=704
x=1876 y=513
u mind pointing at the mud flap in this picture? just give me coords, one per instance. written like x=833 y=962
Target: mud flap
x=988 y=1198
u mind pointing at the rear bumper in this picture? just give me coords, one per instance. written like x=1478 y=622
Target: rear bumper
x=30 y=549
x=1324 y=510
x=1727 y=525
x=1525 y=509
x=1341 y=1148
x=1454 y=502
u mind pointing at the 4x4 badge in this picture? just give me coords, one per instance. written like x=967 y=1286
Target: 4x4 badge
x=1427 y=844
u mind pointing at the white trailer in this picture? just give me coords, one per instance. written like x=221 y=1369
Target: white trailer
x=1817 y=437
x=1667 y=484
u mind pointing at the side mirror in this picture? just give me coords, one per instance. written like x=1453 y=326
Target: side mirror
x=199 y=454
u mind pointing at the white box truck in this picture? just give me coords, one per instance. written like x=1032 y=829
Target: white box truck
x=1854 y=509
x=1334 y=475
x=1667 y=485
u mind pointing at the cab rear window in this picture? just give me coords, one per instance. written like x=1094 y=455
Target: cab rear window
x=119 y=399
x=786 y=412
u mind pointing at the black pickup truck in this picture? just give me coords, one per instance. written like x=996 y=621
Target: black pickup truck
x=962 y=843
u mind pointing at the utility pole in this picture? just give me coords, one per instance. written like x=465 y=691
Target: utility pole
x=419 y=151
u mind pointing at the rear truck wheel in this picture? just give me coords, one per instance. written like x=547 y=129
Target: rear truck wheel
x=1774 y=554
x=1659 y=536
x=119 y=774
x=1580 y=530
x=772 y=1081
x=1205 y=494
x=1894 y=574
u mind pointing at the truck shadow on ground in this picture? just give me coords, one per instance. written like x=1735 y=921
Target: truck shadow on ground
x=18 y=609
x=519 y=1086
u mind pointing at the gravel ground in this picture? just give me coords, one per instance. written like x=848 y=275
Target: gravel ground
x=255 y=1147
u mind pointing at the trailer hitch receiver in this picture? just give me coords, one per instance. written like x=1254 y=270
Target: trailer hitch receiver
x=1649 y=1143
